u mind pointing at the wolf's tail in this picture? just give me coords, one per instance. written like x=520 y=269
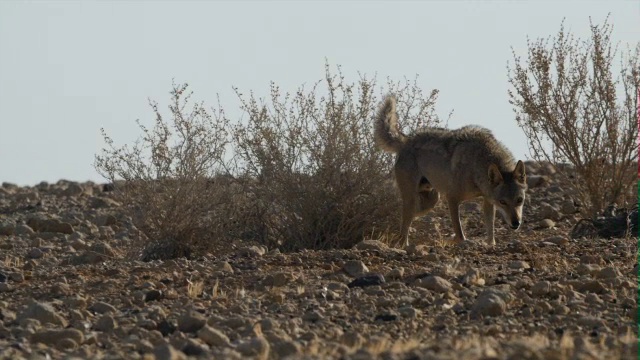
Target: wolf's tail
x=387 y=135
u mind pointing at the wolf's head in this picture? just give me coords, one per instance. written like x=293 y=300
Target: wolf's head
x=508 y=192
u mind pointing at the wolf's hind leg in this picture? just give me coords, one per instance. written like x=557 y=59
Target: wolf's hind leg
x=407 y=182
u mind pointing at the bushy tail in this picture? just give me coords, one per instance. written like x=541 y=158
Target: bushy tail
x=388 y=136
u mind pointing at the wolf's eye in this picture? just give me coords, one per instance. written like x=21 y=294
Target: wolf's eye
x=502 y=202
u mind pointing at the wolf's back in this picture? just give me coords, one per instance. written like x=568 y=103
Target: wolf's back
x=387 y=134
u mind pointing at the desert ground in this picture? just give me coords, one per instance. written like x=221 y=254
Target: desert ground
x=69 y=289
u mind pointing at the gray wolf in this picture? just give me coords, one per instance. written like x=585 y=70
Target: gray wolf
x=460 y=164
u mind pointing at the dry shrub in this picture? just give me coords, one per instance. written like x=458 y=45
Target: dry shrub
x=305 y=172
x=318 y=180
x=173 y=185
x=573 y=109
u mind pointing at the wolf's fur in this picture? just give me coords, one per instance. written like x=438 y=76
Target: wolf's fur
x=460 y=164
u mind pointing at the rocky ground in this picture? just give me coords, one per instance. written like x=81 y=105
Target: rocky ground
x=68 y=291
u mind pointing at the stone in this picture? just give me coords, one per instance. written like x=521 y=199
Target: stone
x=168 y=352
x=608 y=273
x=434 y=283
x=51 y=337
x=257 y=347
x=371 y=245
x=213 y=336
x=396 y=273
x=7 y=228
x=519 y=265
x=101 y=307
x=368 y=280
x=546 y=224
x=43 y=312
x=541 y=288
x=191 y=321
x=106 y=324
x=355 y=268
x=557 y=240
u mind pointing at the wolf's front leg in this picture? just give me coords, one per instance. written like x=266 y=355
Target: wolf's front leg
x=489 y=217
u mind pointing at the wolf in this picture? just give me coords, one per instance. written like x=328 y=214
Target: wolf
x=460 y=164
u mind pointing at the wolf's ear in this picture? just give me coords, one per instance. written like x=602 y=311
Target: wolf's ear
x=495 y=177
x=519 y=173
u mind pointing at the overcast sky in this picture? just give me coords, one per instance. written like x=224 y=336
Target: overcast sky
x=68 y=68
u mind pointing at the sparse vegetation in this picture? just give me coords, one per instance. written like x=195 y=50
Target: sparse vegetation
x=574 y=109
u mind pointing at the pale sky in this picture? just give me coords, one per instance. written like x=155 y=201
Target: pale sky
x=68 y=68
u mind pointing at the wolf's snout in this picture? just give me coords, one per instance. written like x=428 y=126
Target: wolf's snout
x=515 y=224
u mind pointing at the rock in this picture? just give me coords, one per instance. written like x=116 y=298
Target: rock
x=88 y=258
x=519 y=265
x=168 y=352
x=409 y=312
x=279 y=279
x=99 y=202
x=194 y=348
x=557 y=240
x=591 y=286
x=41 y=224
x=489 y=305
x=252 y=251
x=287 y=349
x=472 y=277
x=213 y=336
x=153 y=295
x=608 y=273
x=66 y=344
x=24 y=230
x=106 y=324
x=588 y=269
x=312 y=316
x=371 y=245
x=396 y=273
x=101 y=307
x=549 y=212
x=73 y=190
x=590 y=259
x=534 y=181
x=541 y=288
x=16 y=277
x=386 y=317
x=52 y=337
x=491 y=302
x=546 y=224
x=43 y=312
x=35 y=253
x=355 y=268
x=7 y=228
x=106 y=220
x=368 y=280
x=568 y=207
x=434 y=283
x=191 y=322
x=591 y=322
x=258 y=347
